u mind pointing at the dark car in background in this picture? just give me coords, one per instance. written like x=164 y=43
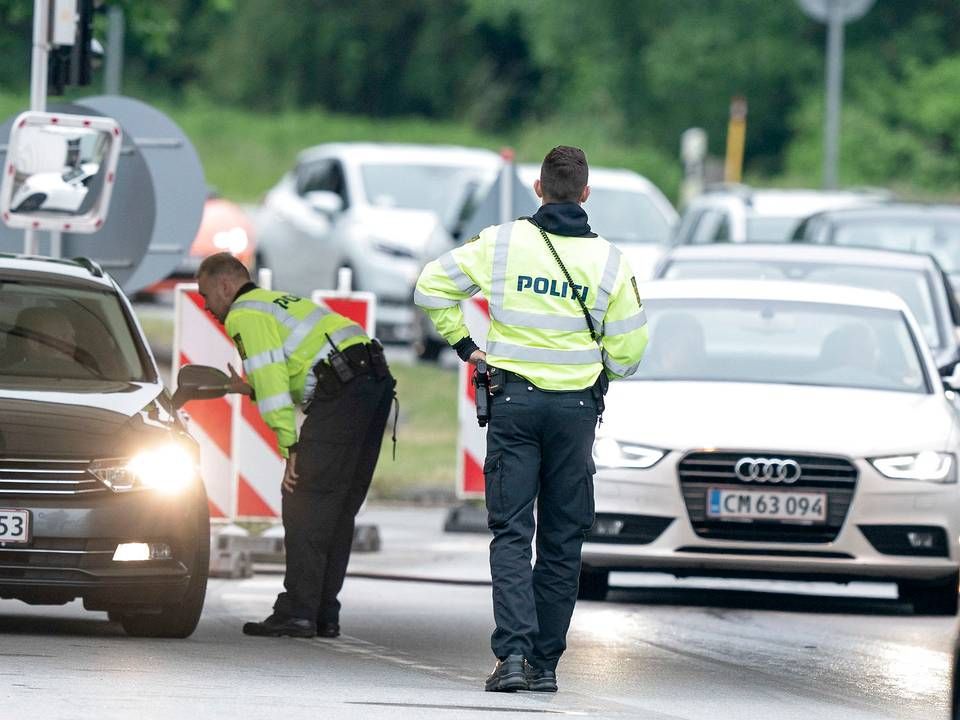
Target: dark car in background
x=916 y=278
x=911 y=227
x=100 y=493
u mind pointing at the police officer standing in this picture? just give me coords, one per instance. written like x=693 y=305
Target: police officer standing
x=297 y=352
x=565 y=315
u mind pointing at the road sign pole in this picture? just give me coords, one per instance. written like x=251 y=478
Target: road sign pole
x=38 y=88
x=831 y=132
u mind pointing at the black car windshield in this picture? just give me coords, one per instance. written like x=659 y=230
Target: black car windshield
x=58 y=333
x=913 y=286
x=438 y=188
x=624 y=216
x=781 y=342
x=940 y=239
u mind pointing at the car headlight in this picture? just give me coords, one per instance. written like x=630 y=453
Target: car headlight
x=928 y=465
x=166 y=468
x=388 y=248
x=608 y=452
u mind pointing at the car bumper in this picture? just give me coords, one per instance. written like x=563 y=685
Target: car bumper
x=651 y=505
x=70 y=553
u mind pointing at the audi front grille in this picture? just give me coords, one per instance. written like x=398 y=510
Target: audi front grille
x=30 y=478
x=834 y=476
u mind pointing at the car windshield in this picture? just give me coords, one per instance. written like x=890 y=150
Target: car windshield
x=437 y=188
x=53 y=332
x=625 y=216
x=782 y=342
x=770 y=228
x=913 y=286
x=942 y=240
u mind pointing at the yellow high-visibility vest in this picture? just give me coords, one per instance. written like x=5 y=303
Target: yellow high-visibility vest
x=537 y=328
x=280 y=338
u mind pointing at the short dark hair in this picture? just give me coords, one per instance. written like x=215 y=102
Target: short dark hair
x=563 y=174
x=223 y=264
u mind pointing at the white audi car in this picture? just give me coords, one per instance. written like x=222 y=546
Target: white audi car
x=780 y=430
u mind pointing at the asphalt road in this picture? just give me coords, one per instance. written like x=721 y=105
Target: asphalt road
x=419 y=650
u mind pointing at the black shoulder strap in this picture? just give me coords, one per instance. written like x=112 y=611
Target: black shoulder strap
x=576 y=294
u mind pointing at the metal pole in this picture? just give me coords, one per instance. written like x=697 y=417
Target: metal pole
x=113 y=73
x=38 y=87
x=831 y=131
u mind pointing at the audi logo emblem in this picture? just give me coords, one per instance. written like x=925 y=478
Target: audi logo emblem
x=767 y=470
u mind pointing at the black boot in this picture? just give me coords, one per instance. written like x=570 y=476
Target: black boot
x=279 y=625
x=507 y=676
x=328 y=629
x=540 y=680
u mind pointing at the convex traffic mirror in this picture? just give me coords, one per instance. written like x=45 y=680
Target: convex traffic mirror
x=59 y=172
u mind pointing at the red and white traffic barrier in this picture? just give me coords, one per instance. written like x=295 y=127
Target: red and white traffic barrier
x=472 y=439
x=239 y=460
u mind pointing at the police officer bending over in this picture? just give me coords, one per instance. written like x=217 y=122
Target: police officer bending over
x=297 y=352
x=565 y=315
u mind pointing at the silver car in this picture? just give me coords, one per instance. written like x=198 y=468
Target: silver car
x=780 y=430
x=370 y=208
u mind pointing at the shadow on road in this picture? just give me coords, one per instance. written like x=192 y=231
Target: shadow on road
x=96 y=626
x=759 y=600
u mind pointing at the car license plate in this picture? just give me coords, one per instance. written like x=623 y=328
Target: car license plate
x=729 y=504
x=14 y=526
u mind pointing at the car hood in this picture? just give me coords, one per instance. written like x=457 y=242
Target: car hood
x=407 y=229
x=643 y=257
x=111 y=422
x=758 y=416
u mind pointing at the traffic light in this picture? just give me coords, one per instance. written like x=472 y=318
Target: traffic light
x=72 y=64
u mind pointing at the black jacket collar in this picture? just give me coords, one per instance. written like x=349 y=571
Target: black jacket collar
x=244 y=290
x=563 y=219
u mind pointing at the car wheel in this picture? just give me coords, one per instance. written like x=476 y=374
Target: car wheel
x=179 y=620
x=594 y=584
x=938 y=598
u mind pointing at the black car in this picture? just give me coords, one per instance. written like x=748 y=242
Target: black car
x=100 y=493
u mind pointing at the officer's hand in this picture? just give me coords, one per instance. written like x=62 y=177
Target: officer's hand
x=237 y=383
x=476 y=356
x=290 y=473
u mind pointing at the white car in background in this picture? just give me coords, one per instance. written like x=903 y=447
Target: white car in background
x=626 y=209
x=371 y=208
x=739 y=213
x=780 y=430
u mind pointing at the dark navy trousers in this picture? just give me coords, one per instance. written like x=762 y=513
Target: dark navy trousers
x=539 y=458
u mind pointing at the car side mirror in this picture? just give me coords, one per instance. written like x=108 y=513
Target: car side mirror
x=59 y=172
x=199 y=382
x=950 y=376
x=324 y=201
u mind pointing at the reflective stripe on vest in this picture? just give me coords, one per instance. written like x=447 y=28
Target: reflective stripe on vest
x=310 y=382
x=544 y=355
x=457 y=276
x=621 y=370
x=622 y=327
x=432 y=302
x=281 y=315
x=274 y=402
x=260 y=360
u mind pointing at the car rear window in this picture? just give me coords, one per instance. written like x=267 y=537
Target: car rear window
x=66 y=333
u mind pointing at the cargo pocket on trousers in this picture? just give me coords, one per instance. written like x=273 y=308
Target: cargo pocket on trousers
x=493 y=485
x=589 y=510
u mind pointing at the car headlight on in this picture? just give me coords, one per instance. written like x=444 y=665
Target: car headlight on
x=611 y=453
x=928 y=465
x=166 y=468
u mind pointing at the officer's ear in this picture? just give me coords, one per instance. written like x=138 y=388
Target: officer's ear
x=585 y=194
x=538 y=188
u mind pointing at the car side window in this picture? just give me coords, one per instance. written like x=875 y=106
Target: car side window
x=684 y=232
x=713 y=226
x=322 y=175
